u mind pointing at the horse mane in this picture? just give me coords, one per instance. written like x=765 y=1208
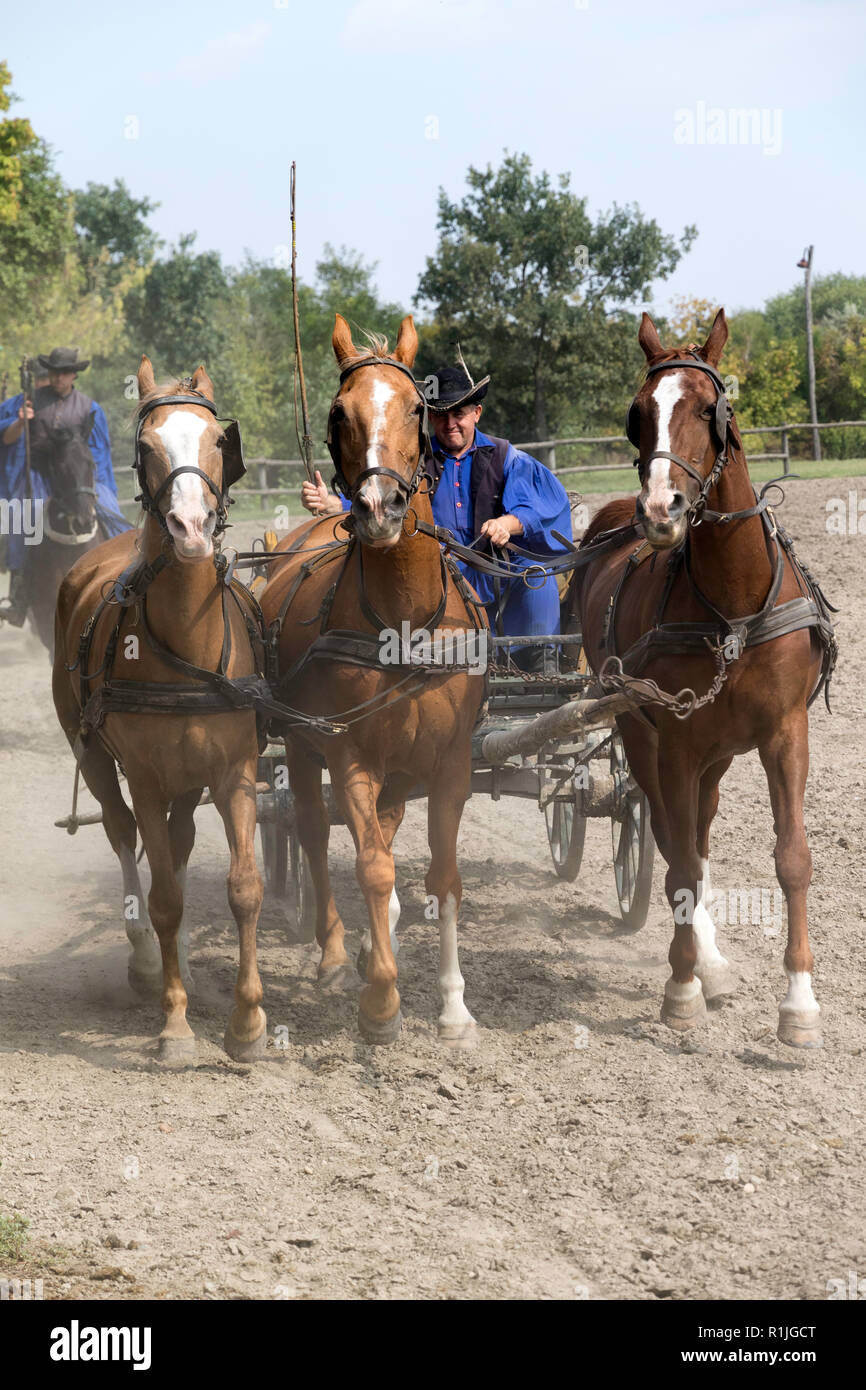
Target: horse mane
x=377 y=346
x=179 y=386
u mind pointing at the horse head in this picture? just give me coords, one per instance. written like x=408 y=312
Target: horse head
x=185 y=461
x=377 y=431
x=69 y=472
x=681 y=424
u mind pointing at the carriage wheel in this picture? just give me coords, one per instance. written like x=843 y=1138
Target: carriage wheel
x=566 y=832
x=633 y=848
x=303 y=904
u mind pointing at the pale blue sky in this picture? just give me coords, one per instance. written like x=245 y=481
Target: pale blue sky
x=226 y=94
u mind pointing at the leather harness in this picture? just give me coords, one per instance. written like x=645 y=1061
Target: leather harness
x=725 y=638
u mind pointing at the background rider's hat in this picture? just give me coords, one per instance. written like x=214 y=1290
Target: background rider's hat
x=454 y=386
x=61 y=359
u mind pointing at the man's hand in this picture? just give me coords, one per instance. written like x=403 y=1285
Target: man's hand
x=13 y=432
x=500 y=529
x=317 y=499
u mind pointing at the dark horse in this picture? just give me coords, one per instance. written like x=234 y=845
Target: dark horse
x=70 y=525
x=712 y=551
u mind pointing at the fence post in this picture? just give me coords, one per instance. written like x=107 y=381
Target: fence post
x=786 y=461
x=263 y=482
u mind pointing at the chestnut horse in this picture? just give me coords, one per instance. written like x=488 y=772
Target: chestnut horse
x=135 y=611
x=715 y=553
x=345 y=582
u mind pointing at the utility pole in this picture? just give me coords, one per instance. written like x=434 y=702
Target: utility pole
x=805 y=264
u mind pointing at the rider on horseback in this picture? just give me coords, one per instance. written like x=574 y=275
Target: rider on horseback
x=56 y=404
x=487 y=493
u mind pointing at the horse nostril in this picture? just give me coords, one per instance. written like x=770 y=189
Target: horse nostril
x=677 y=506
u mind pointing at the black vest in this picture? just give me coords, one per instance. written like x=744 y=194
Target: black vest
x=486 y=483
x=51 y=412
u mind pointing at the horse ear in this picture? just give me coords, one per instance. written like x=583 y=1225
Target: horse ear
x=146 y=378
x=202 y=383
x=716 y=338
x=341 y=340
x=648 y=338
x=407 y=342
x=86 y=426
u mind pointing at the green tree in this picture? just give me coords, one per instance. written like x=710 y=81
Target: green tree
x=112 y=230
x=539 y=294
x=35 y=215
x=172 y=315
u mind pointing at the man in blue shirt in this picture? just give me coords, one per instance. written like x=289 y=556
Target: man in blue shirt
x=488 y=493
x=56 y=403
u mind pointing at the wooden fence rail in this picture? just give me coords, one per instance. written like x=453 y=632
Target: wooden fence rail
x=292 y=489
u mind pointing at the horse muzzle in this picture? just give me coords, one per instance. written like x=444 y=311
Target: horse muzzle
x=664 y=525
x=379 y=510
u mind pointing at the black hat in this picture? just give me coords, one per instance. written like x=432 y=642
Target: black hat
x=454 y=386
x=63 y=360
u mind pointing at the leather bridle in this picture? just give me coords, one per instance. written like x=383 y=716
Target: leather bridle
x=409 y=486
x=698 y=510
x=230 y=446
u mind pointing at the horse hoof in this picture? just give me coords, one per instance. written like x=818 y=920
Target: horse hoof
x=335 y=978
x=463 y=1035
x=798 y=1029
x=361 y=962
x=718 y=982
x=684 y=1014
x=380 y=1034
x=177 y=1052
x=240 y=1050
x=146 y=986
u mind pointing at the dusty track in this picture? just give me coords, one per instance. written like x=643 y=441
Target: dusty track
x=636 y=1166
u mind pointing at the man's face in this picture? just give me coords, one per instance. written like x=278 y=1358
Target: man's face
x=62 y=382
x=455 y=429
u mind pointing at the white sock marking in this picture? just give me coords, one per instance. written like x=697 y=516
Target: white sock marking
x=451 y=982
x=393 y=919
x=146 y=955
x=682 y=990
x=800 y=998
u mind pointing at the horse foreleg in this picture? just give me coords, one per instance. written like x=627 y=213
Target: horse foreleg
x=235 y=799
x=305 y=777
x=379 y=1017
x=786 y=762
x=99 y=770
x=390 y=819
x=181 y=834
x=711 y=967
x=445 y=803
x=683 y=1006
x=165 y=904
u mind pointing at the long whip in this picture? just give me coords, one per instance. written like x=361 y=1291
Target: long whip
x=305 y=442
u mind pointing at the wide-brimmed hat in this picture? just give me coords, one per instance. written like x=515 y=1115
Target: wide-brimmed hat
x=62 y=359
x=454 y=386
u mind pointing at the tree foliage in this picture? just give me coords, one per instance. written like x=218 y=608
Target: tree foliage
x=539 y=294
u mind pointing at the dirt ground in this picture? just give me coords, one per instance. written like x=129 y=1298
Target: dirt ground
x=581 y=1150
